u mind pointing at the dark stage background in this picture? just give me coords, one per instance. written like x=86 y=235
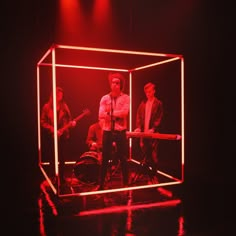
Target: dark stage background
x=199 y=30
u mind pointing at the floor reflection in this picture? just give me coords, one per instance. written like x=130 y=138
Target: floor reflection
x=131 y=212
x=82 y=177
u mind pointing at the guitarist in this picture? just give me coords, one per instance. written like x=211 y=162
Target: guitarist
x=64 y=118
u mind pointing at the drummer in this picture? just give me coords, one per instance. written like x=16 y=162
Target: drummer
x=94 y=136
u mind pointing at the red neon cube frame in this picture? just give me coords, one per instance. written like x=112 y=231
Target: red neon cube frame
x=151 y=60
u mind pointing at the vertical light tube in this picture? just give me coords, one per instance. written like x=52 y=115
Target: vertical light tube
x=130 y=114
x=38 y=110
x=55 y=109
x=182 y=118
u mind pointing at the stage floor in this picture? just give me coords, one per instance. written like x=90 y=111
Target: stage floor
x=152 y=211
x=130 y=212
x=192 y=208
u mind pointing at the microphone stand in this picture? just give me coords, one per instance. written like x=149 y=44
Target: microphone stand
x=112 y=133
x=112 y=117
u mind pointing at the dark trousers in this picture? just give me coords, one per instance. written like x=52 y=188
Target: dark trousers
x=150 y=151
x=119 y=137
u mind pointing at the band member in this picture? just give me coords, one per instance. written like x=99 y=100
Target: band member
x=63 y=120
x=94 y=136
x=114 y=109
x=148 y=119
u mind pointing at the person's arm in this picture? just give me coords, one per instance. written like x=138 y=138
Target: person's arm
x=90 y=136
x=104 y=108
x=93 y=137
x=158 y=116
x=122 y=107
x=68 y=116
x=139 y=118
x=67 y=121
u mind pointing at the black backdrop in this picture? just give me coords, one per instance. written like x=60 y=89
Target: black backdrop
x=201 y=32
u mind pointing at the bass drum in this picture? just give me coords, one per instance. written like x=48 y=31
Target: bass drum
x=87 y=168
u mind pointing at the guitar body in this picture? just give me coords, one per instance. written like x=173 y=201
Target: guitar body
x=70 y=124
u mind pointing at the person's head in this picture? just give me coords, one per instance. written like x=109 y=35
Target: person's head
x=117 y=81
x=59 y=94
x=149 y=90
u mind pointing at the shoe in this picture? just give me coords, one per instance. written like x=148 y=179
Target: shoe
x=101 y=187
x=98 y=187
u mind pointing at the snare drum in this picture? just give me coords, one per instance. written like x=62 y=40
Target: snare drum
x=87 y=168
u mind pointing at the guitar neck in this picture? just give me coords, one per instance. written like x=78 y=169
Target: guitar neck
x=79 y=117
x=69 y=125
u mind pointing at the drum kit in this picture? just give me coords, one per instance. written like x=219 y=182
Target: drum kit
x=87 y=168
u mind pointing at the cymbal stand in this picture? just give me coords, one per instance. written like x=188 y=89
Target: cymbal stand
x=143 y=169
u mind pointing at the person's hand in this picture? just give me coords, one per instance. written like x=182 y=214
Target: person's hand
x=73 y=123
x=59 y=133
x=150 y=131
x=137 y=130
x=93 y=146
x=51 y=129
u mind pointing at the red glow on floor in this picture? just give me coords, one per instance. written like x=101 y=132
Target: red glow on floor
x=119 y=209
